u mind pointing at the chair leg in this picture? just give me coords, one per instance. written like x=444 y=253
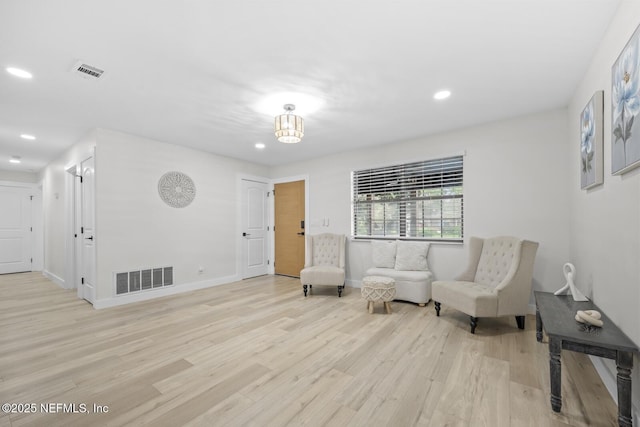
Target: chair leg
x=340 y=288
x=370 y=307
x=473 y=321
x=304 y=288
x=520 y=321
x=437 y=306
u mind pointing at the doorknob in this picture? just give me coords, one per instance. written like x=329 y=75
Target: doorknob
x=245 y=234
x=88 y=238
x=301 y=233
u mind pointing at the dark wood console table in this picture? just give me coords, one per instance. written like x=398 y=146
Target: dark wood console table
x=557 y=315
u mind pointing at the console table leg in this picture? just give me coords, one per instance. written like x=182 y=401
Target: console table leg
x=538 y=325
x=624 y=362
x=555 y=373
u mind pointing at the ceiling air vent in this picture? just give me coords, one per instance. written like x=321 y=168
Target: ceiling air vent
x=87 y=71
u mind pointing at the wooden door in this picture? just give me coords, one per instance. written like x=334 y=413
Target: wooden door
x=289 y=228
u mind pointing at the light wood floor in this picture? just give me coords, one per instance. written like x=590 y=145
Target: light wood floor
x=257 y=353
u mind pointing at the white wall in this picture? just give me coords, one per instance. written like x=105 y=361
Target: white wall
x=516 y=182
x=54 y=204
x=136 y=229
x=605 y=226
x=16 y=176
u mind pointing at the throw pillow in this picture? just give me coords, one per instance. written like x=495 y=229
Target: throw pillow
x=383 y=253
x=412 y=256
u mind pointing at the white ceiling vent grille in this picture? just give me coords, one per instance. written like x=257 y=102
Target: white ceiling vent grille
x=87 y=71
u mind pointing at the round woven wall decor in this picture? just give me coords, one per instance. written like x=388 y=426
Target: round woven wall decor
x=176 y=189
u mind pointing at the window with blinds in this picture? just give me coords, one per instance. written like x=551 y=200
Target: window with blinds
x=420 y=200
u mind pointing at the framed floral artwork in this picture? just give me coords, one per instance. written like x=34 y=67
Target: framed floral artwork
x=591 y=136
x=625 y=105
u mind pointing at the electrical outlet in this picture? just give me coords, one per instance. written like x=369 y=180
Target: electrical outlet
x=200 y=270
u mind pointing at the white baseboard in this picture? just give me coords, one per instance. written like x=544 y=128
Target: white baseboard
x=163 y=292
x=55 y=279
x=611 y=383
x=606 y=376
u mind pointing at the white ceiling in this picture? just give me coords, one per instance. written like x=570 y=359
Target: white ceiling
x=193 y=72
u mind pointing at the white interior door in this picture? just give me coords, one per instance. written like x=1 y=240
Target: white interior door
x=87 y=234
x=254 y=221
x=15 y=229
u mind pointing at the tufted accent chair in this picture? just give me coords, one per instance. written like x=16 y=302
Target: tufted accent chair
x=497 y=281
x=324 y=262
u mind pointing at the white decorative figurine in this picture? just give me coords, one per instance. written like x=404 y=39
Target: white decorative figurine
x=589 y=317
x=569 y=270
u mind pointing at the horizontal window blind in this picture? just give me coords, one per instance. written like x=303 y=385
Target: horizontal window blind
x=420 y=200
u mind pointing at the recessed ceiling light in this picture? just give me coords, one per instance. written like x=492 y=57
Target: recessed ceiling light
x=443 y=94
x=15 y=159
x=26 y=136
x=260 y=145
x=19 y=73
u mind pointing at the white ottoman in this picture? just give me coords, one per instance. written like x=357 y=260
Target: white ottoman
x=378 y=288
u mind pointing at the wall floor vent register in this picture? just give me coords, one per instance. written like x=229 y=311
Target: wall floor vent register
x=143 y=280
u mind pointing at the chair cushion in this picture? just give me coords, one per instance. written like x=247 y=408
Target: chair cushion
x=322 y=275
x=383 y=253
x=472 y=298
x=412 y=256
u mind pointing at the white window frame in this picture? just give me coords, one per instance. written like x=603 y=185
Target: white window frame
x=421 y=200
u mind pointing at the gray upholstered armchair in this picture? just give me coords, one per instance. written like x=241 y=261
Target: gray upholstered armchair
x=497 y=281
x=324 y=262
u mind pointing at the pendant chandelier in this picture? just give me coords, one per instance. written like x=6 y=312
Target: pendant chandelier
x=289 y=128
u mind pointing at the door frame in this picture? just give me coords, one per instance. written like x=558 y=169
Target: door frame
x=272 y=210
x=72 y=228
x=80 y=225
x=73 y=222
x=271 y=246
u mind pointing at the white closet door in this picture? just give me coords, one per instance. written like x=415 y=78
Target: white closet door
x=15 y=229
